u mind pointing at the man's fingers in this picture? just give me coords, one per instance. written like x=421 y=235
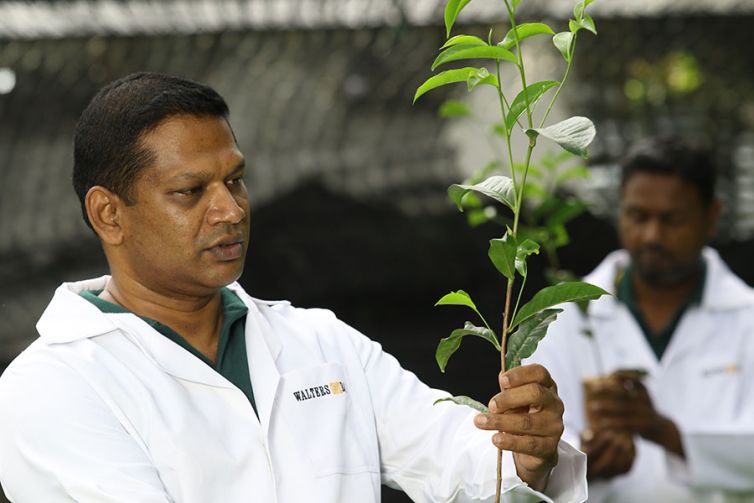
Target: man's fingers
x=605 y=407
x=527 y=395
x=539 y=447
x=526 y=374
x=538 y=423
x=614 y=458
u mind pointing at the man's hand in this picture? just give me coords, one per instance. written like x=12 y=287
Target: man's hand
x=627 y=407
x=608 y=453
x=528 y=415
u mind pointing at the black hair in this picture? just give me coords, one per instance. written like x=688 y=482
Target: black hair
x=671 y=155
x=107 y=148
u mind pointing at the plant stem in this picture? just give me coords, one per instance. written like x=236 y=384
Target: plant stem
x=562 y=83
x=499 y=486
x=518 y=299
x=520 y=63
x=503 y=103
x=519 y=194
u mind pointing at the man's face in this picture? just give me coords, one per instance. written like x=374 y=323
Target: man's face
x=188 y=232
x=664 y=225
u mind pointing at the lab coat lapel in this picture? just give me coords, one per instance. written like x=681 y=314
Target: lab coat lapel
x=621 y=341
x=174 y=359
x=693 y=330
x=262 y=347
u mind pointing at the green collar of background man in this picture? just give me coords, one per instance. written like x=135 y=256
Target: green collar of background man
x=658 y=341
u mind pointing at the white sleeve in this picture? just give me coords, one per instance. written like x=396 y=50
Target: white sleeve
x=60 y=443
x=719 y=448
x=435 y=453
x=718 y=460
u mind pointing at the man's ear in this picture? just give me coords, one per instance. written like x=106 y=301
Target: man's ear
x=105 y=211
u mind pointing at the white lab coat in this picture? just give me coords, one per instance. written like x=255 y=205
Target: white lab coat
x=704 y=383
x=101 y=408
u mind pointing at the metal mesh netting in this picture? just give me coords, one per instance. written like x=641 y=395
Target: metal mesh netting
x=321 y=91
x=306 y=104
x=37 y=19
x=675 y=75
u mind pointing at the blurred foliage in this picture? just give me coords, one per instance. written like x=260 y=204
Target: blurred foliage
x=548 y=204
x=677 y=72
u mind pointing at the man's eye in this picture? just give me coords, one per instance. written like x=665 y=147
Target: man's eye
x=235 y=181
x=189 y=191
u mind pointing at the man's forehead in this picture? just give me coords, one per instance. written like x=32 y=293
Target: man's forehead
x=660 y=191
x=183 y=145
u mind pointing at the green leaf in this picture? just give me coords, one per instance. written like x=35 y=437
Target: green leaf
x=454 y=108
x=464 y=400
x=523 y=342
x=502 y=253
x=464 y=39
x=573 y=134
x=450 y=344
x=563 y=42
x=479 y=77
x=532 y=190
x=514 y=4
x=588 y=24
x=578 y=11
x=499 y=129
x=524 y=249
x=555 y=276
x=585 y=23
x=498 y=187
x=483 y=172
x=444 y=78
x=558 y=235
x=458 y=298
x=533 y=92
x=572 y=173
x=524 y=30
x=553 y=295
x=477 y=217
x=452 y=9
x=472 y=51
x=567 y=211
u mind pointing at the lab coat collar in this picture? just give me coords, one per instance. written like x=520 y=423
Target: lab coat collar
x=69 y=317
x=722 y=289
x=263 y=346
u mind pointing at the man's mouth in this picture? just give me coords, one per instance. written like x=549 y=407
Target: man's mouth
x=228 y=249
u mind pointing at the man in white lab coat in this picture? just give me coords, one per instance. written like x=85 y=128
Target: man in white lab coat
x=683 y=432
x=165 y=382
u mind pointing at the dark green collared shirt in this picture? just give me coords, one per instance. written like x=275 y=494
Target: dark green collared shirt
x=232 y=362
x=657 y=341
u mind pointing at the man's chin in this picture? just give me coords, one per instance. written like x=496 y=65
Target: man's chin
x=666 y=278
x=224 y=275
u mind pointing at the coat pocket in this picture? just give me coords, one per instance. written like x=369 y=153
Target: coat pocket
x=319 y=413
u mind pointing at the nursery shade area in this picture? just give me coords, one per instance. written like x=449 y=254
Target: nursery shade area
x=347 y=179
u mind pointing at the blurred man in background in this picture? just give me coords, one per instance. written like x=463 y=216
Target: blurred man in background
x=672 y=420
x=165 y=381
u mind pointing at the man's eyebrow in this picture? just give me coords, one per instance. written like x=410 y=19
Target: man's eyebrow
x=239 y=167
x=190 y=176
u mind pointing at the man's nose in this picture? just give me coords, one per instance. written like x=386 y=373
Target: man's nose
x=225 y=208
x=652 y=231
